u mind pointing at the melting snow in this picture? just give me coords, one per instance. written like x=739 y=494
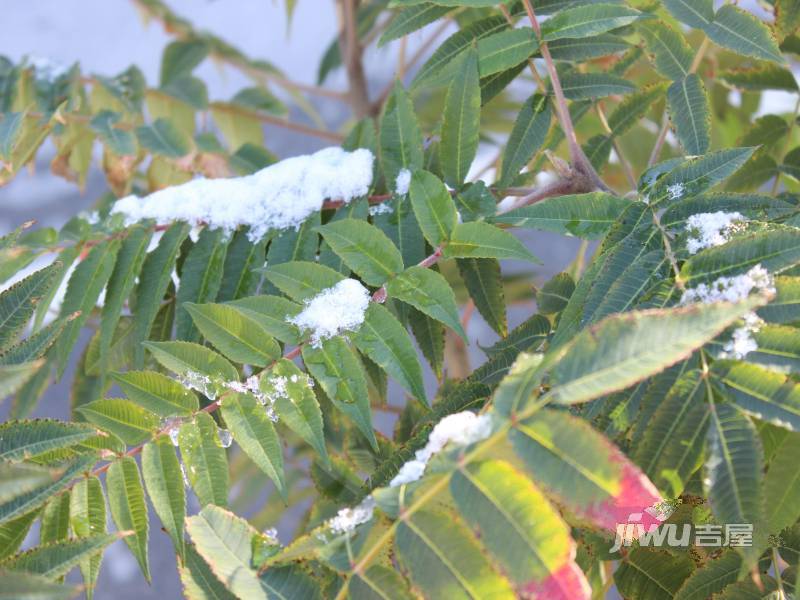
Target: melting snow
x=277 y=197
x=461 y=429
x=711 y=229
x=735 y=289
x=334 y=310
x=402 y=182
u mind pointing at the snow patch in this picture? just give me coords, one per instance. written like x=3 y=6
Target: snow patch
x=731 y=289
x=735 y=289
x=332 y=311
x=461 y=429
x=402 y=182
x=347 y=519
x=711 y=229
x=279 y=196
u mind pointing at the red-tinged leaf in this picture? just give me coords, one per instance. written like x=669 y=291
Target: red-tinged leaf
x=637 y=494
x=565 y=583
x=584 y=470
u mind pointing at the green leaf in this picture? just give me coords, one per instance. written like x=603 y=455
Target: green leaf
x=695 y=13
x=117 y=140
x=18 y=302
x=35 y=498
x=239 y=278
x=340 y=373
x=484 y=283
x=302 y=280
x=506 y=49
x=627 y=348
x=585 y=86
x=238 y=337
x=54 y=560
x=163 y=138
x=781 y=486
x=55 y=520
x=157 y=393
x=585 y=21
x=429 y=335
x=552 y=298
x=587 y=216
x=690 y=113
x=14 y=532
x=461 y=121
x=785 y=306
x=518 y=526
x=373 y=585
x=734 y=472
x=184 y=357
x=154 y=279
x=10 y=133
x=482 y=240
x=129 y=263
x=672 y=55
x=765 y=394
x=128 y=421
x=411 y=19
x=652 y=574
x=441 y=67
x=400 y=137
x=429 y=292
x=699 y=174
x=384 y=340
x=672 y=447
x=164 y=480
x=711 y=578
x=20 y=440
x=433 y=207
x=205 y=461
x=87 y=516
x=444 y=561
x=19 y=479
x=201 y=276
x=199 y=582
x=740 y=31
x=527 y=136
x=775 y=250
x=364 y=248
x=271 y=313
x=767 y=76
x=572 y=49
x=295 y=403
x=26 y=586
x=255 y=434
x=230 y=545
x=128 y=508
x=181 y=57
x=31 y=349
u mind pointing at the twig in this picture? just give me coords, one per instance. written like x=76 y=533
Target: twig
x=577 y=156
x=626 y=166
x=351 y=51
x=574 y=183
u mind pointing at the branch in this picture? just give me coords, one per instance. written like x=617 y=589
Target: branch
x=573 y=182
x=351 y=51
x=577 y=156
